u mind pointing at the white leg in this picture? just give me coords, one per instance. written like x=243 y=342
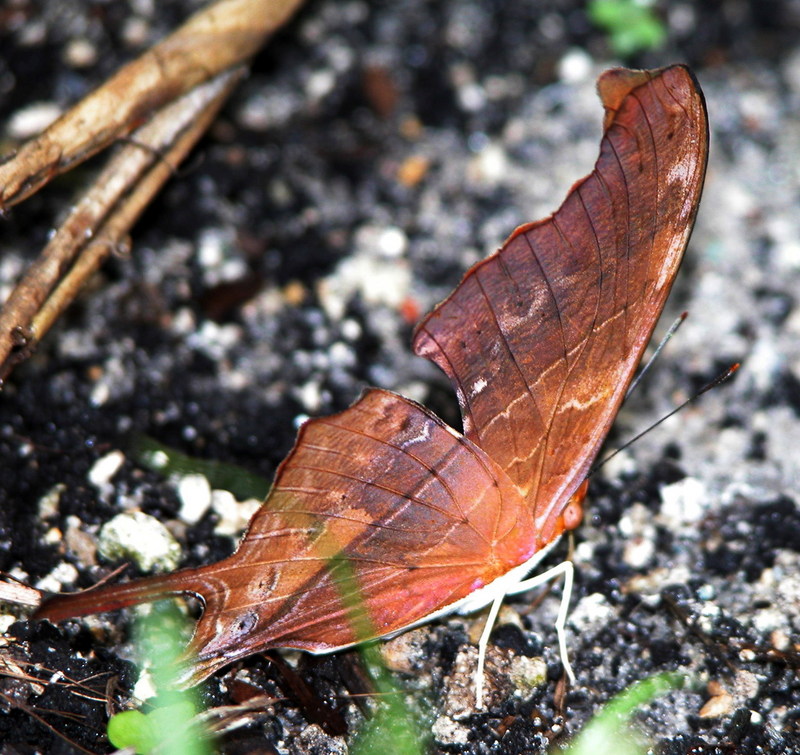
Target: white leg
x=565 y=568
x=483 y=643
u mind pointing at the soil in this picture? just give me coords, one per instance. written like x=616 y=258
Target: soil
x=374 y=153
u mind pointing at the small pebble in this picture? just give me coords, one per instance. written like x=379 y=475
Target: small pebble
x=405 y=652
x=683 y=503
x=719 y=704
x=412 y=170
x=104 y=469
x=575 y=66
x=48 y=503
x=31 y=120
x=195 y=496
x=80 y=53
x=53 y=536
x=135 y=32
x=378 y=280
x=80 y=544
x=234 y=516
x=145 y=687
x=447 y=731
x=309 y=395
x=489 y=166
x=320 y=83
x=141 y=538
x=527 y=674
x=592 y=612
x=63 y=574
x=313 y=739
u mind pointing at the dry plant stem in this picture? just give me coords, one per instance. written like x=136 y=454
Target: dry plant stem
x=211 y=43
x=99 y=222
x=193 y=113
x=225 y=718
x=196 y=111
x=19 y=594
x=224 y=35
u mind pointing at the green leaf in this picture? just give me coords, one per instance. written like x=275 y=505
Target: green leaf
x=169 y=726
x=632 y=26
x=393 y=727
x=166 y=727
x=610 y=732
x=131 y=728
x=167 y=460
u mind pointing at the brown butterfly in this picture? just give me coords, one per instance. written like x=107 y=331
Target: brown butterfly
x=384 y=511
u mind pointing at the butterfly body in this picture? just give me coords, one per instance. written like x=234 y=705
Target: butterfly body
x=383 y=517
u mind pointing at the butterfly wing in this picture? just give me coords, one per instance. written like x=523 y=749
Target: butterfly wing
x=381 y=515
x=541 y=339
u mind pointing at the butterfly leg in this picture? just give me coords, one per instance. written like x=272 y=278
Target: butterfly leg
x=566 y=569
x=483 y=643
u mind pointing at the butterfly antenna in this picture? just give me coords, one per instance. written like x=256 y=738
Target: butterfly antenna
x=707 y=387
x=673 y=329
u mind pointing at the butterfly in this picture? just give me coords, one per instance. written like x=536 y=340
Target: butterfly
x=383 y=517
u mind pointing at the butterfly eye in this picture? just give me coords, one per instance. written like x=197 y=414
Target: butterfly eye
x=573 y=512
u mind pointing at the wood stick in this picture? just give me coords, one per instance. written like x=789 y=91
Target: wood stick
x=219 y=37
x=198 y=66
x=105 y=215
x=119 y=222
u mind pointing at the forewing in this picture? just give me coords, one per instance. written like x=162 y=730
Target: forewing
x=381 y=516
x=541 y=339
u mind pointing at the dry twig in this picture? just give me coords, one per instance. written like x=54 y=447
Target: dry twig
x=224 y=35
x=175 y=89
x=17 y=593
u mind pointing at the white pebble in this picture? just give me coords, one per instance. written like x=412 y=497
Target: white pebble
x=195 y=495
x=638 y=552
x=145 y=687
x=392 y=242
x=683 y=502
x=184 y=321
x=63 y=574
x=105 y=468
x=135 y=32
x=591 y=612
x=141 y=538
x=234 y=516
x=309 y=395
x=320 y=83
x=53 y=535
x=471 y=97
x=575 y=66
x=158 y=459
x=351 y=329
x=32 y=119
x=379 y=281
x=80 y=53
x=100 y=393
x=210 y=248
x=489 y=166
x=48 y=503
x=341 y=355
